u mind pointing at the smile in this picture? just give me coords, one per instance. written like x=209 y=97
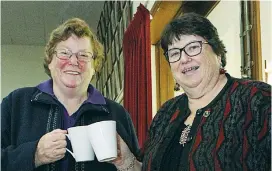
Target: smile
x=72 y=72
x=190 y=69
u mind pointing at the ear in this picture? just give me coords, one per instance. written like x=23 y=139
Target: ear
x=92 y=73
x=219 y=60
x=92 y=70
x=50 y=66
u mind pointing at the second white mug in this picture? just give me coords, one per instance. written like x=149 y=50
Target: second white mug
x=103 y=139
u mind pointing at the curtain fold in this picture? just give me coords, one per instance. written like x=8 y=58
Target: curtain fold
x=137 y=72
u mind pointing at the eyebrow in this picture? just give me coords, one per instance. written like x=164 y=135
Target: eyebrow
x=68 y=48
x=187 y=44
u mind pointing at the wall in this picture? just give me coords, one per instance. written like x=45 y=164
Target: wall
x=21 y=66
x=226 y=18
x=148 y=4
x=266 y=36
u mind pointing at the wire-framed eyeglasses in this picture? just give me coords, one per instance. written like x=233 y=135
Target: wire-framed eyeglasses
x=65 y=54
x=191 y=49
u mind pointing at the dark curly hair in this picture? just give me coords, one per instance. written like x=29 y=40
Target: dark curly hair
x=193 y=24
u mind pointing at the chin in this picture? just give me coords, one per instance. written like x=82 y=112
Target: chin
x=192 y=83
x=71 y=83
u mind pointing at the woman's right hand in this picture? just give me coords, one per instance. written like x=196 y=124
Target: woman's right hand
x=125 y=160
x=51 y=147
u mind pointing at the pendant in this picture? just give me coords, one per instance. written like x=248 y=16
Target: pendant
x=184 y=137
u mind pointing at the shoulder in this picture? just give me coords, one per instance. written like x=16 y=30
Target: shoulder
x=117 y=109
x=255 y=96
x=25 y=92
x=167 y=110
x=172 y=104
x=113 y=105
x=251 y=84
x=250 y=88
x=16 y=100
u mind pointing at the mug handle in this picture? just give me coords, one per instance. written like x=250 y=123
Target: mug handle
x=68 y=149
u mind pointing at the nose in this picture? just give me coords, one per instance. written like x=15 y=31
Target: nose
x=74 y=60
x=184 y=58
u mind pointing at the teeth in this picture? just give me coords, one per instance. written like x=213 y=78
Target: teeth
x=190 y=69
x=71 y=72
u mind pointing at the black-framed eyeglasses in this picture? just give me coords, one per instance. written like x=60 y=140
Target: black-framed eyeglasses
x=65 y=54
x=191 y=49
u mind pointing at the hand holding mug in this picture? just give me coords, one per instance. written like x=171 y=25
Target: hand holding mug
x=51 y=147
x=125 y=159
x=102 y=136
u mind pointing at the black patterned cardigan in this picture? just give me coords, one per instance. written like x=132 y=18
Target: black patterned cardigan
x=234 y=135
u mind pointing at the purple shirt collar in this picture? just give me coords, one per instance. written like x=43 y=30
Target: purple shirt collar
x=95 y=97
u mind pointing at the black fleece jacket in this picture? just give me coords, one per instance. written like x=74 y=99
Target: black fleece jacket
x=27 y=114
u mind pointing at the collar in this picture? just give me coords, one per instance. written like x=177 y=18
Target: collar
x=94 y=97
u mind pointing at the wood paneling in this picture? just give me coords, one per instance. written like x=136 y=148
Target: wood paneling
x=162 y=12
x=255 y=40
x=201 y=7
x=165 y=81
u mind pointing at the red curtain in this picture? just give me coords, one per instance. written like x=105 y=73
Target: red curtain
x=137 y=71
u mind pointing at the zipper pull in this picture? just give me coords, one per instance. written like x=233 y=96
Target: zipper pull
x=105 y=109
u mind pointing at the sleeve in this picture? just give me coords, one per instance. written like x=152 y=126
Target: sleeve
x=14 y=157
x=159 y=122
x=127 y=131
x=133 y=137
x=260 y=107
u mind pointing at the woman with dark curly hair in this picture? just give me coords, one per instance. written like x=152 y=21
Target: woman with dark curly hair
x=220 y=122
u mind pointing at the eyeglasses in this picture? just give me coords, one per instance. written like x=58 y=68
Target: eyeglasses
x=65 y=54
x=191 y=49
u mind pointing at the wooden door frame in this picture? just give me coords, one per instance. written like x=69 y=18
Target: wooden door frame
x=255 y=40
x=162 y=12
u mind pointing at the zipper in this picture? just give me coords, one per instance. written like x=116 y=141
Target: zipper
x=104 y=109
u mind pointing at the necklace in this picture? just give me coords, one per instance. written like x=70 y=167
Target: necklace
x=184 y=137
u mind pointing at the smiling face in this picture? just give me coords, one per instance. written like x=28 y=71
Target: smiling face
x=72 y=73
x=196 y=71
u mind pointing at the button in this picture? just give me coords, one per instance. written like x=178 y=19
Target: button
x=207 y=113
x=198 y=112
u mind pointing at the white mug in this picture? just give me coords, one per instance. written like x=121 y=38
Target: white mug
x=103 y=139
x=82 y=148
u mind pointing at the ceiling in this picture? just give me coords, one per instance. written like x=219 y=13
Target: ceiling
x=31 y=22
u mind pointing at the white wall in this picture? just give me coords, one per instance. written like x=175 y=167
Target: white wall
x=266 y=36
x=147 y=3
x=226 y=18
x=21 y=66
